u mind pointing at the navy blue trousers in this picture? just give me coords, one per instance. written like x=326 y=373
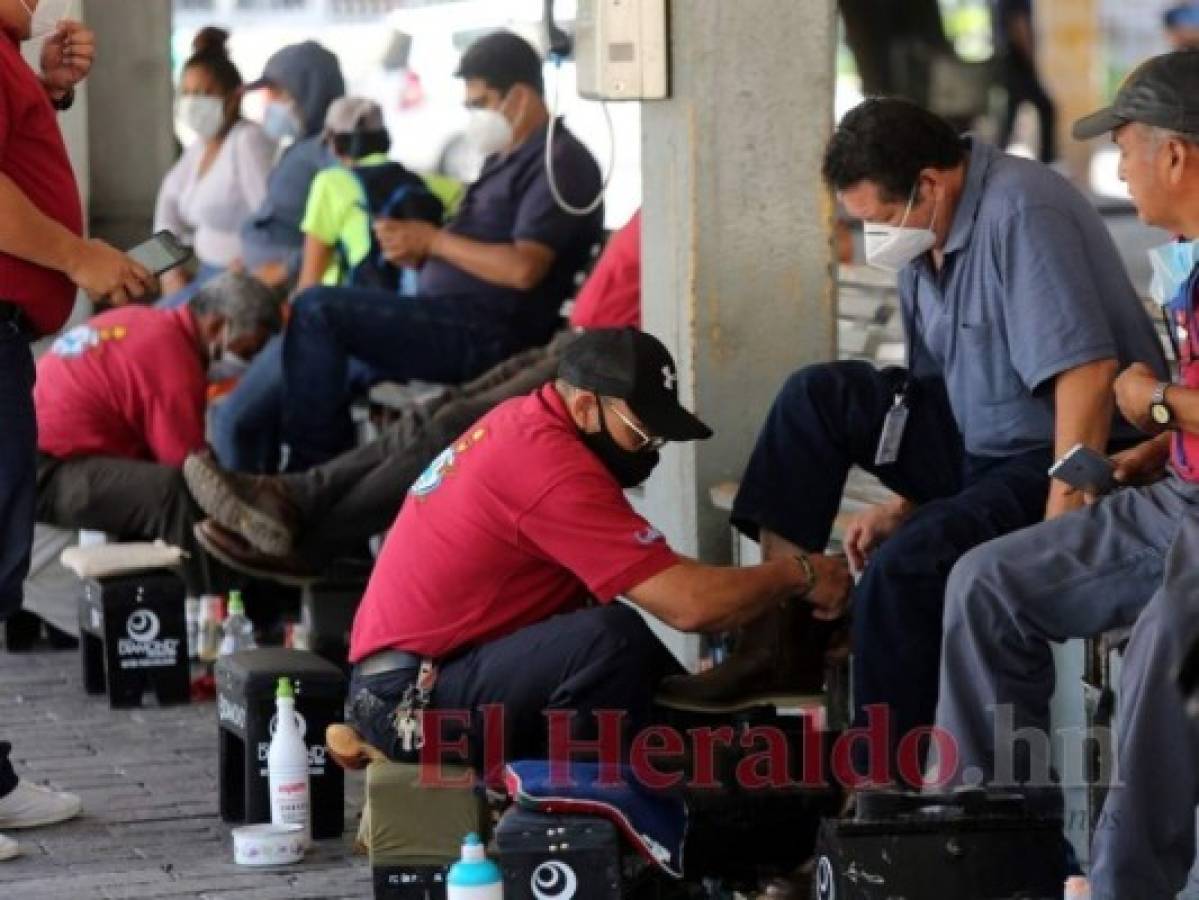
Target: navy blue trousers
x=448 y=340
x=18 y=478
x=828 y=418
x=583 y=662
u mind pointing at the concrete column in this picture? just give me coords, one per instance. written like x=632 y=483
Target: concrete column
x=1068 y=51
x=737 y=236
x=130 y=144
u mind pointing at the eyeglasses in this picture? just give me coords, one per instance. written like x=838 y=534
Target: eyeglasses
x=647 y=441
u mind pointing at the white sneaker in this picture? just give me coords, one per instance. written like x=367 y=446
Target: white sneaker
x=30 y=805
x=8 y=848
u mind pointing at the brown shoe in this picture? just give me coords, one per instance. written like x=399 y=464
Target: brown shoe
x=779 y=658
x=235 y=552
x=349 y=750
x=256 y=507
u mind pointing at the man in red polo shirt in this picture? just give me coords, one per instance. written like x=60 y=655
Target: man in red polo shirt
x=513 y=526
x=121 y=402
x=43 y=259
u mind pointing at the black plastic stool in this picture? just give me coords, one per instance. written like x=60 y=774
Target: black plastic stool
x=133 y=637
x=245 y=684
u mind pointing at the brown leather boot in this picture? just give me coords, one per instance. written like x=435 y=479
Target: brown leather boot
x=778 y=657
x=256 y=507
x=236 y=553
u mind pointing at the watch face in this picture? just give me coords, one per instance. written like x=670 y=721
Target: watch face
x=1160 y=413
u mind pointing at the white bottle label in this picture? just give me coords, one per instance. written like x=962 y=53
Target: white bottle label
x=290 y=802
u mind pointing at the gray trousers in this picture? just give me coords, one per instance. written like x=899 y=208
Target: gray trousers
x=1133 y=558
x=131 y=500
x=349 y=499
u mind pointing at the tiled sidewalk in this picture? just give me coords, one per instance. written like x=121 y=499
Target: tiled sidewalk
x=148 y=779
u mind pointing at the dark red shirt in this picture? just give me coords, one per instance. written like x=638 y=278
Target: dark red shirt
x=513 y=523
x=33 y=155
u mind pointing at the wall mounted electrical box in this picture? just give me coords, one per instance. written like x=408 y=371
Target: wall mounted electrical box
x=621 y=49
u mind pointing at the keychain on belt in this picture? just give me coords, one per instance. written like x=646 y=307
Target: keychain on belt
x=409 y=716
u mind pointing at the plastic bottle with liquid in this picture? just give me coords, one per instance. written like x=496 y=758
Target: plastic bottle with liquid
x=287 y=766
x=208 y=643
x=474 y=876
x=237 y=631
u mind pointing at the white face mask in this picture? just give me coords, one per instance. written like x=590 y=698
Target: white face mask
x=1172 y=265
x=198 y=118
x=891 y=247
x=280 y=121
x=226 y=365
x=45 y=18
x=488 y=131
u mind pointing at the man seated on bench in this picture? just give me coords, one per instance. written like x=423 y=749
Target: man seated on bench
x=481 y=578
x=491 y=281
x=289 y=527
x=1129 y=558
x=1018 y=314
x=120 y=404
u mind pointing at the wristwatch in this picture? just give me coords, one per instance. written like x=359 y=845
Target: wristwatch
x=65 y=102
x=1159 y=410
x=809 y=572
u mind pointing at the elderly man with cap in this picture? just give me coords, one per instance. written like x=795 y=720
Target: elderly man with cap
x=1128 y=559
x=120 y=403
x=480 y=582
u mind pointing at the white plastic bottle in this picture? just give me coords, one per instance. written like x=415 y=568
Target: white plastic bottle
x=474 y=876
x=287 y=766
x=237 y=631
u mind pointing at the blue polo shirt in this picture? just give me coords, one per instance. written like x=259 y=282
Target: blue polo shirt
x=1032 y=285
x=511 y=201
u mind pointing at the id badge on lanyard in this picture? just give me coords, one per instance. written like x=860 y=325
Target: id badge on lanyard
x=894 y=425
x=896 y=420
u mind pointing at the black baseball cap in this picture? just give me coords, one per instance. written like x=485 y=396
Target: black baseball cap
x=635 y=367
x=1163 y=91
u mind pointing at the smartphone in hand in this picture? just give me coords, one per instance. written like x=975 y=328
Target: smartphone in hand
x=160 y=253
x=1086 y=470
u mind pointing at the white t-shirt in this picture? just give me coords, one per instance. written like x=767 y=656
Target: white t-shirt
x=207 y=211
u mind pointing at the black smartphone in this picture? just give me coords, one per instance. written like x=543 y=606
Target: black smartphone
x=1086 y=470
x=161 y=253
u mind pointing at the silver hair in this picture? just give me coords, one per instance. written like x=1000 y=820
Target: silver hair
x=1158 y=136
x=245 y=303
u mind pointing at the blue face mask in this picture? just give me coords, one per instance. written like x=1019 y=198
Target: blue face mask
x=1172 y=264
x=279 y=121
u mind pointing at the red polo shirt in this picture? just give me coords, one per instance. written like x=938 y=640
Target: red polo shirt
x=33 y=155
x=130 y=383
x=516 y=521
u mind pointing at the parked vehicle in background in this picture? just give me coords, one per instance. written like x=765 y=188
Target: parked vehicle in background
x=405 y=59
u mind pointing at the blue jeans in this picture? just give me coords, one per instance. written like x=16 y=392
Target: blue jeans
x=18 y=465
x=440 y=339
x=245 y=424
x=826 y=419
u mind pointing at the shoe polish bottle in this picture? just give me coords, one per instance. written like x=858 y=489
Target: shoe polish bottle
x=474 y=876
x=287 y=766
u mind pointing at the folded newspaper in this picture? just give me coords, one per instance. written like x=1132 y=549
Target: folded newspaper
x=120 y=559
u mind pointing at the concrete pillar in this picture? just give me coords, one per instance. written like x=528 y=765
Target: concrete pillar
x=1069 y=48
x=737 y=236
x=130 y=144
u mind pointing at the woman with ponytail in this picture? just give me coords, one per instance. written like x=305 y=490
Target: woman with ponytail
x=220 y=180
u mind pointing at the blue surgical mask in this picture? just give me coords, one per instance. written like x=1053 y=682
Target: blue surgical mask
x=1172 y=264
x=280 y=122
